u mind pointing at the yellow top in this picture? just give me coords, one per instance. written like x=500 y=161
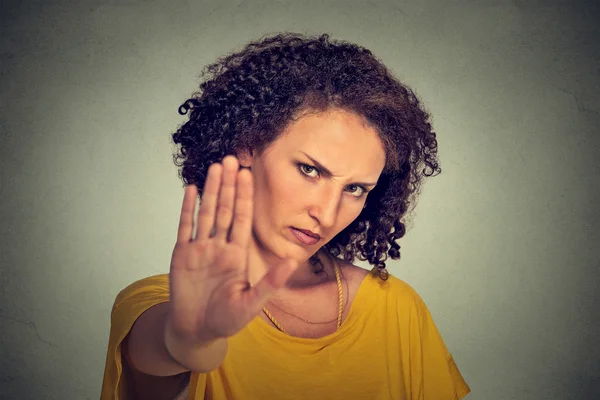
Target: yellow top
x=387 y=348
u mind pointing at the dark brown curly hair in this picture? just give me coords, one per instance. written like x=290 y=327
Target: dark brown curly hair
x=247 y=99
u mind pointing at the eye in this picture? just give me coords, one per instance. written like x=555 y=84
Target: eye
x=307 y=169
x=362 y=191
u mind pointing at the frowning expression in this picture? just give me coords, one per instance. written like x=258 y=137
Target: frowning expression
x=315 y=176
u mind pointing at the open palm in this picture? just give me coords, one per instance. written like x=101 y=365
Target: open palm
x=209 y=293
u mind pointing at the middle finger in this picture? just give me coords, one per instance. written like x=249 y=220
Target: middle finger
x=225 y=205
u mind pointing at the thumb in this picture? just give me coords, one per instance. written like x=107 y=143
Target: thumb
x=279 y=275
x=274 y=279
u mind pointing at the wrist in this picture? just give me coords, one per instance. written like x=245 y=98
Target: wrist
x=173 y=348
x=186 y=353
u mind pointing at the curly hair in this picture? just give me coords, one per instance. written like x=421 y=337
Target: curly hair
x=247 y=98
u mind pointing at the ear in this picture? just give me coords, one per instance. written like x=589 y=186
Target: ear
x=245 y=158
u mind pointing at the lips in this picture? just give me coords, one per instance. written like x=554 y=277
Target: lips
x=305 y=237
x=309 y=233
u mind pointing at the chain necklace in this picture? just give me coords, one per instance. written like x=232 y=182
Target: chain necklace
x=305 y=320
x=340 y=308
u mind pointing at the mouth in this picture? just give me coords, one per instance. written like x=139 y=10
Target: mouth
x=305 y=237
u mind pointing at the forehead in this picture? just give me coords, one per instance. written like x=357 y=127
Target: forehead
x=342 y=140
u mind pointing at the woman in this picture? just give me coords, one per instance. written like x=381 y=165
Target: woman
x=309 y=153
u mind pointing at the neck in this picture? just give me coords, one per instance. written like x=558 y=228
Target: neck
x=312 y=272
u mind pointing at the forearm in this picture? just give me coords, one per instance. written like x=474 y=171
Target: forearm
x=148 y=353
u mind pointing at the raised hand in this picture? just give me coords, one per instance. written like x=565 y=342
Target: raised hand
x=209 y=294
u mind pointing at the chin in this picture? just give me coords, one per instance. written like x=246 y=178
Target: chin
x=295 y=251
x=281 y=248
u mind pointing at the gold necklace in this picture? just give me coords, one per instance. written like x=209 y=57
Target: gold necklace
x=340 y=308
x=305 y=320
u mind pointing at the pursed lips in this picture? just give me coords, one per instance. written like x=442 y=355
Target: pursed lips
x=309 y=233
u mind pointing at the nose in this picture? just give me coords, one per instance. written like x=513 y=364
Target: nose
x=325 y=205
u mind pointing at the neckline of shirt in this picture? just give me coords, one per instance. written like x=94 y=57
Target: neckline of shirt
x=354 y=315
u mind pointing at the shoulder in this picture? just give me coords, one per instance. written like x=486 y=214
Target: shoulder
x=395 y=292
x=138 y=297
x=353 y=272
x=354 y=275
x=402 y=287
x=393 y=289
x=404 y=294
x=393 y=284
x=130 y=303
x=152 y=285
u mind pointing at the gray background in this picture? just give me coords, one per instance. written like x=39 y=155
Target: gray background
x=503 y=246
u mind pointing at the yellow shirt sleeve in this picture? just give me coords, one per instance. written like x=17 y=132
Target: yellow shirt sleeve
x=434 y=374
x=130 y=303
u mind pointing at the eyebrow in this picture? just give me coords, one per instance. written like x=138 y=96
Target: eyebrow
x=327 y=172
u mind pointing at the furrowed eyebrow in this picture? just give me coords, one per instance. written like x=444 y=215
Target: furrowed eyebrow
x=327 y=172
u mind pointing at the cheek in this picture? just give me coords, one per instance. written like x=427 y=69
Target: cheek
x=277 y=194
x=349 y=214
x=286 y=186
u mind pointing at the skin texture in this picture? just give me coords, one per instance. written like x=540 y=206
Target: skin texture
x=287 y=194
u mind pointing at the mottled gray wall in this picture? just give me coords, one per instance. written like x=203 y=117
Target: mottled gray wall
x=503 y=245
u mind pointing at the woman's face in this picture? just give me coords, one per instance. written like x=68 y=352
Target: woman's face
x=293 y=190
